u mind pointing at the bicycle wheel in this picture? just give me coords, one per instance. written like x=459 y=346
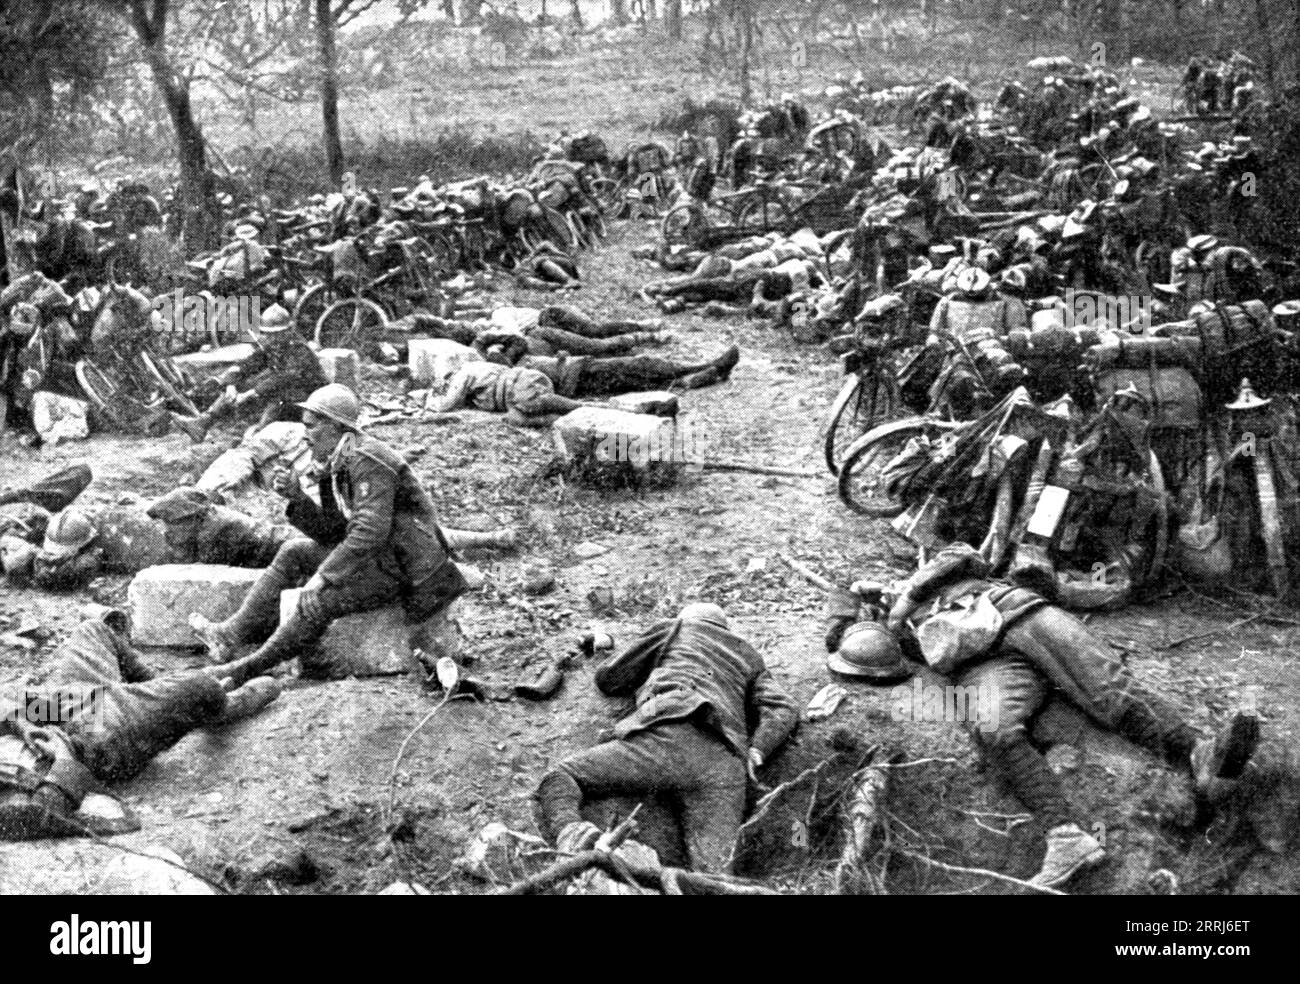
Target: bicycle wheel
x=315 y=301
x=440 y=255
x=107 y=396
x=685 y=224
x=350 y=323
x=763 y=212
x=169 y=379
x=861 y=477
x=555 y=228
x=609 y=196
x=866 y=399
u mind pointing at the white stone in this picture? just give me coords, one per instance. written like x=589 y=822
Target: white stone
x=341 y=365
x=214 y=361
x=642 y=402
x=59 y=418
x=605 y=435
x=162 y=598
x=162 y=874
x=375 y=643
x=432 y=361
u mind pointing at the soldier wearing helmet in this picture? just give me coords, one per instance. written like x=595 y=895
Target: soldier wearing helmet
x=697 y=687
x=372 y=540
x=69 y=556
x=274 y=379
x=1010 y=642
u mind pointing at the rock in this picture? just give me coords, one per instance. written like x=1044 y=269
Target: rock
x=433 y=360
x=538 y=580
x=341 y=365
x=660 y=403
x=59 y=418
x=375 y=643
x=131 y=874
x=278 y=861
x=162 y=599
x=588 y=549
x=213 y=362
x=606 y=436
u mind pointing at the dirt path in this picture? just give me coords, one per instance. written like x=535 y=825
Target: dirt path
x=312 y=772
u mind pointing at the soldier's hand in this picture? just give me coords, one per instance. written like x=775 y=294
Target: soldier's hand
x=309 y=603
x=285 y=482
x=50 y=742
x=753 y=763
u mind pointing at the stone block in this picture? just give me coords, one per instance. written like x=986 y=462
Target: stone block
x=214 y=361
x=162 y=598
x=341 y=366
x=433 y=360
x=660 y=403
x=602 y=436
x=375 y=643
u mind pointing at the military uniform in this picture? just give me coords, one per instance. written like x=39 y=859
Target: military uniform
x=697 y=687
x=373 y=540
x=282 y=376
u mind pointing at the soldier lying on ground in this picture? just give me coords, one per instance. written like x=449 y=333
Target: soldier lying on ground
x=513 y=332
x=275 y=379
x=60 y=553
x=697 y=685
x=373 y=540
x=1014 y=645
x=99 y=715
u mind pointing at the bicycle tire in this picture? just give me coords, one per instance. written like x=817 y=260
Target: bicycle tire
x=762 y=213
x=443 y=256
x=350 y=323
x=164 y=371
x=860 y=471
x=104 y=394
x=864 y=401
x=556 y=229
x=315 y=301
x=610 y=196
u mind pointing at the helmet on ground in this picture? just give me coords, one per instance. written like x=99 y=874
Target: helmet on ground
x=274 y=320
x=334 y=402
x=869 y=651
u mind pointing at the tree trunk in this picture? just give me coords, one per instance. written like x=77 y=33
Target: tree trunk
x=329 y=91
x=199 y=225
x=1261 y=17
x=673 y=18
x=618 y=11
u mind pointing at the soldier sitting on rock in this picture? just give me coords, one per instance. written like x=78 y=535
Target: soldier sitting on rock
x=697 y=687
x=99 y=715
x=1013 y=644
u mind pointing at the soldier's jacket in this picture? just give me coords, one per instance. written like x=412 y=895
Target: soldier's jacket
x=680 y=668
x=229 y=537
x=289 y=374
x=372 y=511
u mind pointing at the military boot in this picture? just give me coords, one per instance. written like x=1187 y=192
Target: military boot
x=1069 y=851
x=1224 y=757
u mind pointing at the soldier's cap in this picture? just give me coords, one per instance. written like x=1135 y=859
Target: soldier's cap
x=1286 y=309
x=1202 y=244
x=274 y=320
x=179 y=505
x=1012 y=281
x=246 y=230
x=703 y=611
x=334 y=402
x=972 y=280
x=1171 y=289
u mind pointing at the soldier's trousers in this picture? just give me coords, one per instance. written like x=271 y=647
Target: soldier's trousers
x=702 y=778
x=1050 y=648
x=258 y=615
x=121 y=725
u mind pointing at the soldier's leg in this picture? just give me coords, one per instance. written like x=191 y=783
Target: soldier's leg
x=1013 y=691
x=574 y=321
x=713 y=808
x=259 y=612
x=1085 y=669
x=634 y=372
x=298 y=635
x=646 y=762
x=560 y=340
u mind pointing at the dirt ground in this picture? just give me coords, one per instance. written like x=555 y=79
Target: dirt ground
x=300 y=798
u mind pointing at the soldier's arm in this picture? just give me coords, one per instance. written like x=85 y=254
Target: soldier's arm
x=777 y=714
x=371 y=525
x=622 y=674
x=457 y=394
x=324 y=523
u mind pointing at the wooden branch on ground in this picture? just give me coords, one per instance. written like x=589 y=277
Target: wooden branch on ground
x=982 y=872
x=816 y=580
x=741 y=466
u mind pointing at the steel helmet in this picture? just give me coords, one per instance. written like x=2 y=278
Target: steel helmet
x=703 y=611
x=335 y=402
x=67 y=533
x=869 y=651
x=274 y=320
x=972 y=280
